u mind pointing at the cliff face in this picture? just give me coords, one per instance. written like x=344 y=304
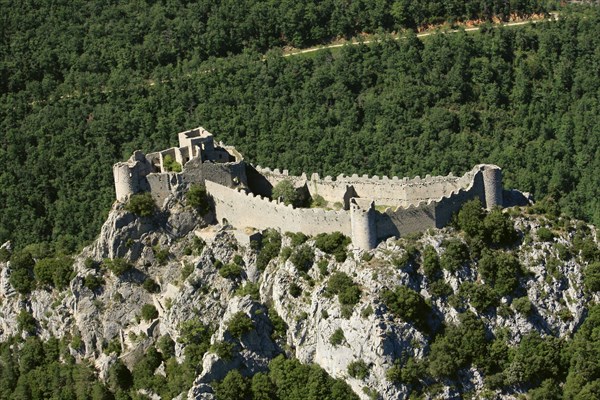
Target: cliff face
x=218 y=278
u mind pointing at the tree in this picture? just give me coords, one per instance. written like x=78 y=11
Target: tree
x=141 y=204
x=197 y=198
x=285 y=191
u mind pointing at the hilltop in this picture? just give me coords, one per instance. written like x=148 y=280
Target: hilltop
x=494 y=307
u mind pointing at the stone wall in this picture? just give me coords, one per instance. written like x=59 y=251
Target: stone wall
x=243 y=210
x=383 y=190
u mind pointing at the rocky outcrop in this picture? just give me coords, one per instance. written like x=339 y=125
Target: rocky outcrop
x=189 y=285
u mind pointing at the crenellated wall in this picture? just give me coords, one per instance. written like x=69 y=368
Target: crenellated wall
x=241 y=210
x=241 y=192
x=382 y=190
x=365 y=225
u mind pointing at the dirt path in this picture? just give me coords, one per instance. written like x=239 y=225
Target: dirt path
x=554 y=17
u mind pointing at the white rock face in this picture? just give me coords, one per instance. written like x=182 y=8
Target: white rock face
x=372 y=334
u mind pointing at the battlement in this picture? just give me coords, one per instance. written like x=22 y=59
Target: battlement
x=373 y=207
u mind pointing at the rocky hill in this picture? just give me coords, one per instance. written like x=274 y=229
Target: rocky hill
x=489 y=308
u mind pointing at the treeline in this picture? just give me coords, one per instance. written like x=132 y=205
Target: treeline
x=524 y=98
x=49 y=42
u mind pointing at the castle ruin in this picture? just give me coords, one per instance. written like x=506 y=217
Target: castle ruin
x=369 y=209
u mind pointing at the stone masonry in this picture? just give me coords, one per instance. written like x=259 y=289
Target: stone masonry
x=371 y=209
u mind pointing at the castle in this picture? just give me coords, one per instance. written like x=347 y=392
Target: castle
x=369 y=209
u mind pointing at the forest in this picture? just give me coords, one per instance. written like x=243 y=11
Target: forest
x=73 y=103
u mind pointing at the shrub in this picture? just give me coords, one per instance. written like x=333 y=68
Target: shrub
x=343 y=286
x=196 y=197
x=408 y=305
x=117 y=266
x=458 y=347
x=170 y=164
x=166 y=346
x=303 y=258
x=239 y=324
x=149 y=312
x=249 y=289
x=500 y=270
x=161 y=255
x=481 y=297
x=545 y=234
x=279 y=325
x=141 y=204
x=297 y=238
x=26 y=322
x=455 y=256
x=186 y=270
x=358 y=369
x=591 y=277
x=337 y=337
x=318 y=201
x=151 y=286
x=286 y=191
x=4 y=255
x=499 y=229
x=234 y=386
x=295 y=290
x=322 y=265
x=21 y=276
x=333 y=243
x=523 y=306
x=231 y=271
x=92 y=282
x=440 y=289
x=431 y=263
x=223 y=349
x=271 y=245
x=470 y=218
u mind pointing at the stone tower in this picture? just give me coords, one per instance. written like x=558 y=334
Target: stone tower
x=363 y=226
x=492 y=184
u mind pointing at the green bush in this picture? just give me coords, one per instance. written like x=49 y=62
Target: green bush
x=170 y=164
x=249 y=289
x=141 y=204
x=431 y=264
x=21 y=276
x=161 y=255
x=26 y=322
x=151 y=286
x=458 y=347
x=196 y=197
x=455 y=256
x=4 y=255
x=239 y=324
x=481 y=297
x=303 y=258
x=295 y=290
x=408 y=305
x=317 y=201
x=56 y=271
x=499 y=229
x=343 y=286
x=270 y=247
x=233 y=387
x=333 y=243
x=279 y=325
x=286 y=191
x=501 y=270
x=337 y=337
x=149 y=312
x=117 y=266
x=358 y=369
x=544 y=234
x=523 y=306
x=440 y=289
x=470 y=219
x=93 y=282
x=231 y=271
x=223 y=349
x=591 y=277
x=298 y=238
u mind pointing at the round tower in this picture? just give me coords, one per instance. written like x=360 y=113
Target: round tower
x=492 y=184
x=123 y=181
x=363 y=226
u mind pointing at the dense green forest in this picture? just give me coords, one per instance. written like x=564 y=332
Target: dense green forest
x=84 y=85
